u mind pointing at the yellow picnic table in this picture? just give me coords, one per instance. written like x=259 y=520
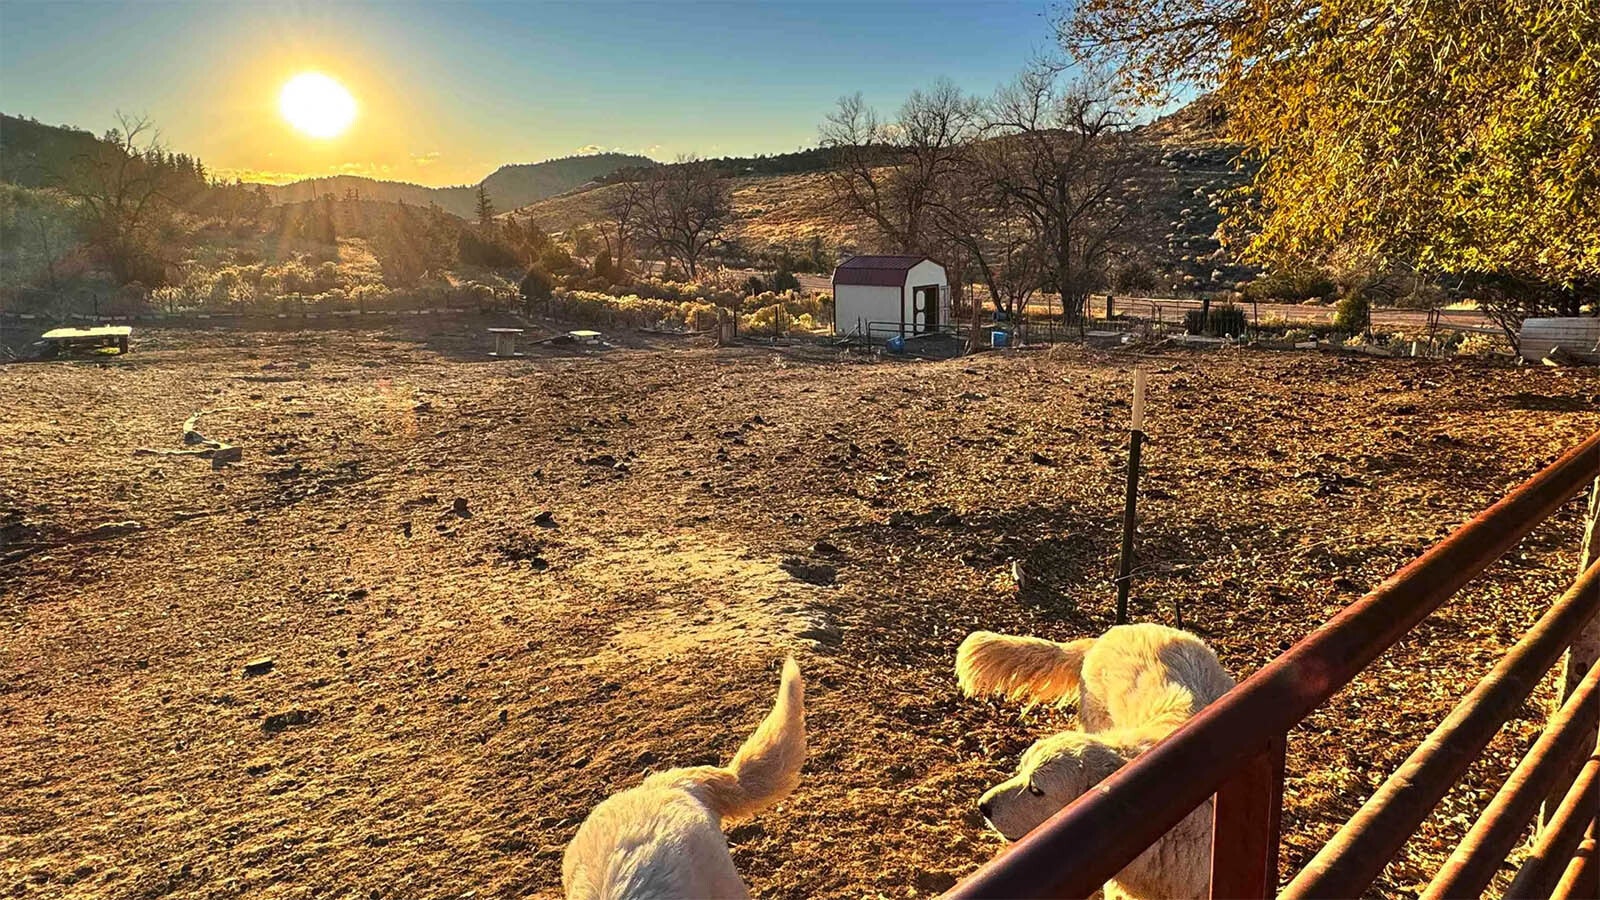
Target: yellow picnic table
x=93 y=340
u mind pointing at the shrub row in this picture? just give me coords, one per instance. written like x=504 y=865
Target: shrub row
x=489 y=293
x=766 y=312
x=1224 y=320
x=631 y=310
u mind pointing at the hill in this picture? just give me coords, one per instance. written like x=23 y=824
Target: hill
x=1200 y=123
x=512 y=186
x=775 y=210
x=509 y=186
x=342 y=186
x=32 y=153
x=783 y=203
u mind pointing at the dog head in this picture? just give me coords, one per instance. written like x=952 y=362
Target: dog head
x=1054 y=772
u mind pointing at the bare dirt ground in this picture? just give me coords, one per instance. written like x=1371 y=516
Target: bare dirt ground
x=457 y=679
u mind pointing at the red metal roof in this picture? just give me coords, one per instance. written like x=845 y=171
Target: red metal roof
x=882 y=271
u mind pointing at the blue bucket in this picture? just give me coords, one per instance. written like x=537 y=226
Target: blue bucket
x=999 y=339
x=896 y=344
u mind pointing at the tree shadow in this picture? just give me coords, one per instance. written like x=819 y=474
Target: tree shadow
x=1548 y=403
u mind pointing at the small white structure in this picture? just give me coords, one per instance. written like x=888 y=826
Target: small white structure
x=1579 y=337
x=890 y=294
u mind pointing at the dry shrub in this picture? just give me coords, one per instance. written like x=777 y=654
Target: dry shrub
x=1479 y=344
x=631 y=310
x=797 y=313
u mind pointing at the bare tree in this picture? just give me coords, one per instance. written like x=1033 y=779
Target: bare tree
x=986 y=236
x=1507 y=300
x=1059 y=153
x=121 y=192
x=39 y=226
x=890 y=173
x=621 y=207
x=684 y=209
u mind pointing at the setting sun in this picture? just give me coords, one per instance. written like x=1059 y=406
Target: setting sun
x=317 y=105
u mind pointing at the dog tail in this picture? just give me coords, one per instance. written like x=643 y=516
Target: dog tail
x=767 y=766
x=1032 y=670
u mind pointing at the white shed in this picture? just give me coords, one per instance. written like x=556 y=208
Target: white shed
x=890 y=294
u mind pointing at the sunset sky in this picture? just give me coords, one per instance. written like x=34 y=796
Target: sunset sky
x=447 y=92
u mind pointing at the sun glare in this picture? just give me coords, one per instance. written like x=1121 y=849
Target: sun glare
x=317 y=105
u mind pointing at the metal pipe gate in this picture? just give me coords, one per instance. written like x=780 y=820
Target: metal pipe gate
x=1235 y=747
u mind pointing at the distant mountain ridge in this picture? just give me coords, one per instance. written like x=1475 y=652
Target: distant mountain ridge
x=509 y=186
x=1188 y=169
x=33 y=153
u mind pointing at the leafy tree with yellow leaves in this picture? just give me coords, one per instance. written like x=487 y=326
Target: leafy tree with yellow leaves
x=1460 y=138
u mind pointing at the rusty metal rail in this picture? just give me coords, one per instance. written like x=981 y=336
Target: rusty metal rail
x=1354 y=856
x=1581 y=880
x=1234 y=747
x=1556 y=844
x=1470 y=868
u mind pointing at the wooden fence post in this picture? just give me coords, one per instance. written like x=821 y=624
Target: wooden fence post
x=1580 y=657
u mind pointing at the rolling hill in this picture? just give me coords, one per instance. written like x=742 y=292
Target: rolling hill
x=32 y=153
x=770 y=210
x=509 y=186
x=780 y=202
x=1188 y=171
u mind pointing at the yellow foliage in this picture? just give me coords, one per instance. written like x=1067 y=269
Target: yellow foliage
x=1446 y=137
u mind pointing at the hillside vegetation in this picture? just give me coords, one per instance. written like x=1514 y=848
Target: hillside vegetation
x=509 y=186
x=768 y=211
x=120 y=224
x=350 y=241
x=30 y=152
x=1186 y=172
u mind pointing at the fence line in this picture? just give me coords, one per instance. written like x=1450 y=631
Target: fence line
x=1233 y=748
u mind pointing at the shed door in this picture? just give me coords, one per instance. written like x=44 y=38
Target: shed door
x=924 y=308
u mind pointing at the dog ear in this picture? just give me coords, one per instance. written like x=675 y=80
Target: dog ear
x=1101 y=761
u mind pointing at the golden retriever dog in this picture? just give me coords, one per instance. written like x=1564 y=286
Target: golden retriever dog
x=1133 y=686
x=663 y=839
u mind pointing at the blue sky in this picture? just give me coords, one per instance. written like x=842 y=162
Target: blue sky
x=448 y=91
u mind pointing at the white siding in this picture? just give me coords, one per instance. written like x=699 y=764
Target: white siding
x=857 y=305
x=926 y=272
x=1578 y=336
x=861 y=303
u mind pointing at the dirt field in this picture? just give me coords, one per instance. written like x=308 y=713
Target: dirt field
x=457 y=680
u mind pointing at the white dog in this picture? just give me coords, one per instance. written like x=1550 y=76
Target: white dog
x=663 y=839
x=1133 y=685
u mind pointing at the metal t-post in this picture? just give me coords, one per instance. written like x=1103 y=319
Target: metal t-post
x=1129 y=520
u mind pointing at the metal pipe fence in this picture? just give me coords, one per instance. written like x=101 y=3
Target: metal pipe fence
x=1234 y=748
